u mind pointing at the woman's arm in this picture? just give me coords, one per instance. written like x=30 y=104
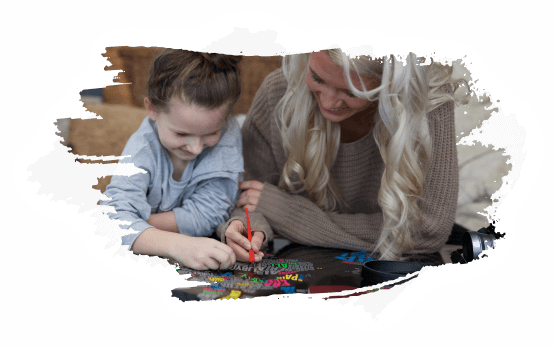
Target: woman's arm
x=258 y=156
x=292 y=216
x=440 y=194
x=298 y=219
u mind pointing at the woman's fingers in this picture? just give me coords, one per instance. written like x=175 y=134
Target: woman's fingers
x=236 y=235
x=257 y=240
x=250 y=208
x=244 y=254
x=240 y=253
x=249 y=197
x=237 y=240
x=258 y=256
x=257 y=185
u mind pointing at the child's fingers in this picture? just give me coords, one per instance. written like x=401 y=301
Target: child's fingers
x=218 y=256
x=224 y=259
x=209 y=263
x=227 y=258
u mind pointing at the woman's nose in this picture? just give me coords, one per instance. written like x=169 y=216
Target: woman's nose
x=330 y=99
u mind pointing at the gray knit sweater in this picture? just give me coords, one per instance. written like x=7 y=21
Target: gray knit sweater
x=357 y=171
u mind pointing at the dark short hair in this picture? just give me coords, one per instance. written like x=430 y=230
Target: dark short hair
x=208 y=80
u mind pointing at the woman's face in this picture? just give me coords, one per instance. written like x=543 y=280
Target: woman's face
x=327 y=82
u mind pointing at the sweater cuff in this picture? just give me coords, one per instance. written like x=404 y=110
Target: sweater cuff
x=222 y=227
x=274 y=205
x=138 y=226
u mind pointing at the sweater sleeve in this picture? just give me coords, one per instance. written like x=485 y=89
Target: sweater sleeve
x=298 y=219
x=128 y=197
x=440 y=194
x=293 y=216
x=209 y=206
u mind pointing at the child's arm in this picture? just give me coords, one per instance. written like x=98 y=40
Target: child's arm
x=164 y=221
x=198 y=253
x=236 y=233
x=200 y=214
x=158 y=234
x=207 y=207
x=128 y=197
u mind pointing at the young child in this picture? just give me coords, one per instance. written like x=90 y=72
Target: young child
x=190 y=149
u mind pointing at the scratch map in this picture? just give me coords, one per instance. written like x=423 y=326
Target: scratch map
x=276 y=275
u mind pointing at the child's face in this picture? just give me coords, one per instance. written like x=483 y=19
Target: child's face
x=187 y=129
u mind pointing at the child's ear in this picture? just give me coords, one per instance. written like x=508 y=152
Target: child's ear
x=150 y=109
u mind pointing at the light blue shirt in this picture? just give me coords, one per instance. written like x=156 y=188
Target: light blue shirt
x=201 y=200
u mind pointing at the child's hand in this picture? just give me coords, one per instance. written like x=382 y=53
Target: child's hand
x=202 y=253
x=236 y=239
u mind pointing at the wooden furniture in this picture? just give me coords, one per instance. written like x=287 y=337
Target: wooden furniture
x=135 y=62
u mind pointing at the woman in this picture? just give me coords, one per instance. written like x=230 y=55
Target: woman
x=350 y=153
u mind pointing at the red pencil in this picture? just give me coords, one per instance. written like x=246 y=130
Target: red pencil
x=251 y=251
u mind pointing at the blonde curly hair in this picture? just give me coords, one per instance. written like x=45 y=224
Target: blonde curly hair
x=407 y=92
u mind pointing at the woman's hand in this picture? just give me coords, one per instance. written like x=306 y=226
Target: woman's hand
x=251 y=194
x=235 y=238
